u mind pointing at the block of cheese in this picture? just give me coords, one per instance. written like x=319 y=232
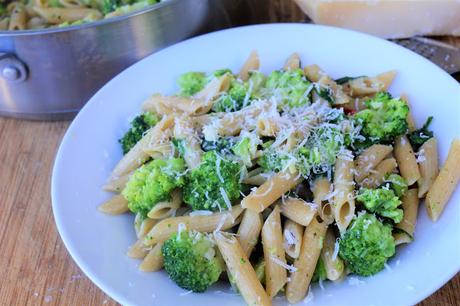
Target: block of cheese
x=388 y=18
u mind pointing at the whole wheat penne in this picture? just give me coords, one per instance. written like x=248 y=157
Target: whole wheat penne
x=321 y=188
x=364 y=86
x=241 y=270
x=401 y=237
x=136 y=156
x=313 y=72
x=212 y=90
x=168 y=208
x=305 y=265
x=275 y=258
x=332 y=262
x=18 y=17
x=56 y=15
x=201 y=223
x=292 y=233
x=298 y=210
x=410 y=205
x=344 y=201
x=377 y=175
x=271 y=190
x=293 y=62
x=370 y=158
x=190 y=141
x=138 y=250
x=154 y=259
x=144 y=226
x=444 y=184
x=410 y=118
x=252 y=63
x=117 y=184
x=116 y=205
x=428 y=165
x=406 y=160
x=249 y=230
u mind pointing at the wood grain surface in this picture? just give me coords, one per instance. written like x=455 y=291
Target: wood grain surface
x=35 y=267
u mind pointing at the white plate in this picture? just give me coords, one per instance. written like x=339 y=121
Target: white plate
x=89 y=150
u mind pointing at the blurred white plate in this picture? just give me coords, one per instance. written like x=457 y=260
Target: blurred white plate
x=89 y=150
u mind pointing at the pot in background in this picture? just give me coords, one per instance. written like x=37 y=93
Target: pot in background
x=51 y=73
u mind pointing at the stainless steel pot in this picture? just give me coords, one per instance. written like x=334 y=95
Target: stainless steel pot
x=50 y=74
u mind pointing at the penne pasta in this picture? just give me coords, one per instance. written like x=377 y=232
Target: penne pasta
x=18 y=17
x=444 y=184
x=270 y=191
x=369 y=159
x=378 y=174
x=185 y=132
x=410 y=203
x=410 y=118
x=298 y=210
x=293 y=62
x=406 y=160
x=117 y=184
x=138 y=250
x=211 y=91
x=201 y=223
x=292 y=233
x=275 y=259
x=166 y=209
x=256 y=180
x=321 y=188
x=252 y=63
x=344 y=201
x=143 y=225
x=241 y=270
x=313 y=72
x=305 y=265
x=365 y=86
x=153 y=261
x=428 y=166
x=72 y=3
x=136 y=156
x=333 y=264
x=56 y=15
x=249 y=231
x=401 y=237
x=115 y=206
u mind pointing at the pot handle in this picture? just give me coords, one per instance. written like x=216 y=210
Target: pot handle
x=12 y=69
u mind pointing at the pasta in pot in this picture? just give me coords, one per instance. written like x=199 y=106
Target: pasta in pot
x=41 y=14
x=272 y=179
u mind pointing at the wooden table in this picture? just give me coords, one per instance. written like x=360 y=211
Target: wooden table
x=35 y=267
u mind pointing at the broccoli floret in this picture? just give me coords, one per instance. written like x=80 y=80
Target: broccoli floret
x=139 y=126
x=290 y=87
x=246 y=148
x=190 y=260
x=213 y=184
x=256 y=82
x=2 y=9
x=191 y=82
x=381 y=201
x=366 y=245
x=152 y=183
x=274 y=160
x=222 y=145
x=321 y=150
x=384 y=119
x=397 y=183
x=320 y=271
x=418 y=137
x=234 y=99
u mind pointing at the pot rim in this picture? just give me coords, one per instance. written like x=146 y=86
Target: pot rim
x=91 y=24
